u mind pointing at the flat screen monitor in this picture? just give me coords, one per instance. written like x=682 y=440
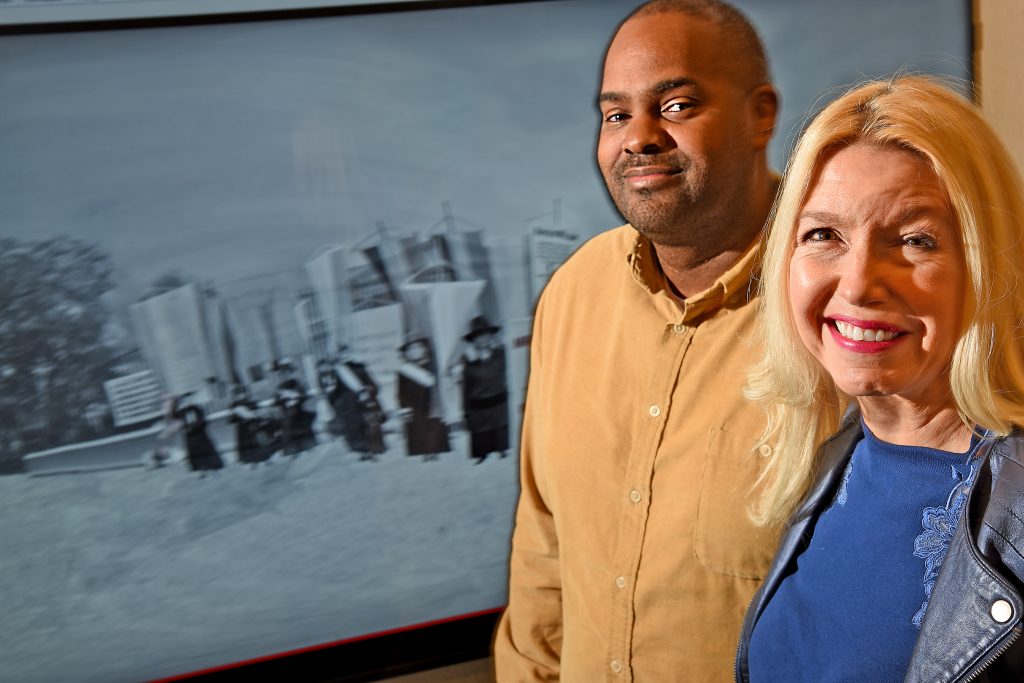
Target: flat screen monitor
x=246 y=262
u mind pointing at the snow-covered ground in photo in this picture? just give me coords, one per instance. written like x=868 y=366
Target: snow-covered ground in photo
x=134 y=574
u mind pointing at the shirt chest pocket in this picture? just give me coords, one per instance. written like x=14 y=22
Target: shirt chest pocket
x=727 y=541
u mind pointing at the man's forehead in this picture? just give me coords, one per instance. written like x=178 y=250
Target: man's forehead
x=684 y=45
x=664 y=30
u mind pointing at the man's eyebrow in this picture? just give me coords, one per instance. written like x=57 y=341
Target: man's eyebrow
x=659 y=88
x=666 y=86
x=610 y=97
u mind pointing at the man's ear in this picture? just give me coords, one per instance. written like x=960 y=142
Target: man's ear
x=764 y=103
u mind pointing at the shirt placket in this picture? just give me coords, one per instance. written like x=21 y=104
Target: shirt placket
x=637 y=484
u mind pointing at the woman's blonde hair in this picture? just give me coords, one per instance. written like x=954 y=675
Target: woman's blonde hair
x=923 y=116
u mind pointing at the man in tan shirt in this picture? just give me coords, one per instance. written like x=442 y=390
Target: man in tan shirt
x=632 y=557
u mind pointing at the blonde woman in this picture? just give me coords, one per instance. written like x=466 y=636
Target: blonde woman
x=893 y=322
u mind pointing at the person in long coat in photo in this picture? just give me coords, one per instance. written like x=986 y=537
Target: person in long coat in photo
x=330 y=388
x=358 y=407
x=253 y=438
x=200 y=452
x=426 y=433
x=296 y=422
x=485 y=390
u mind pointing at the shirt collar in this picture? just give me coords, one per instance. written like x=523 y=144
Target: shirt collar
x=732 y=288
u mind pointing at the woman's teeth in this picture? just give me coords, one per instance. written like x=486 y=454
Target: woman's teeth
x=857 y=334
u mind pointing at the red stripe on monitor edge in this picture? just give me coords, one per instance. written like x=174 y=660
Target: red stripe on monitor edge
x=323 y=646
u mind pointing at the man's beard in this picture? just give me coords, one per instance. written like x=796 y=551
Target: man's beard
x=665 y=216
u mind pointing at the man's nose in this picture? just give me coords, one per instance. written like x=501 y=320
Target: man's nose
x=645 y=135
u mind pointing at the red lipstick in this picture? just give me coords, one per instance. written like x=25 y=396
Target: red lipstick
x=862 y=346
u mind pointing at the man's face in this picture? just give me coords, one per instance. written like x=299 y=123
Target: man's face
x=682 y=123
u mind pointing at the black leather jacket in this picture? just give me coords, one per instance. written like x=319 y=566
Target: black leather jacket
x=961 y=637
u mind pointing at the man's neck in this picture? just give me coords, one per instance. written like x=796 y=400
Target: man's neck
x=690 y=273
x=691 y=269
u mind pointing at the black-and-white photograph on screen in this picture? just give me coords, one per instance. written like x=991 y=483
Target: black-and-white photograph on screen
x=266 y=294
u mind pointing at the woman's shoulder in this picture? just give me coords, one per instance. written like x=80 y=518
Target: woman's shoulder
x=1001 y=529
x=1010 y=449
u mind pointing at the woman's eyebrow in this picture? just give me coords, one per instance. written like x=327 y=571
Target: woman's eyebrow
x=818 y=215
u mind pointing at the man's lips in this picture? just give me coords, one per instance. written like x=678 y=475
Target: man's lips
x=647 y=177
x=645 y=171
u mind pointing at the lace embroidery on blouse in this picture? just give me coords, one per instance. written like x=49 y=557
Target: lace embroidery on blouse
x=938 y=524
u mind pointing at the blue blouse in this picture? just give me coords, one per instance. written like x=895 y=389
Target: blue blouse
x=852 y=609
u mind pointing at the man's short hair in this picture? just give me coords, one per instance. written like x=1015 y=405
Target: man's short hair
x=735 y=26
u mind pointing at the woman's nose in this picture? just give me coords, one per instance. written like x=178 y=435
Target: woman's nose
x=863 y=278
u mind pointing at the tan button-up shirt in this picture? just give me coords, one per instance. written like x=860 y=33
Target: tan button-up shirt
x=633 y=558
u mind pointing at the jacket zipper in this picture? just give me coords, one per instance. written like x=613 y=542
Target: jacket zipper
x=1006 y=646
x=746 y=613
x=736 y=666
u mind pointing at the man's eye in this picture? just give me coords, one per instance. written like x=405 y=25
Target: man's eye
x=615 y=117
x=676 y=107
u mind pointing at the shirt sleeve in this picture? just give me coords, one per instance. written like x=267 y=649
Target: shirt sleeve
x=528 y=642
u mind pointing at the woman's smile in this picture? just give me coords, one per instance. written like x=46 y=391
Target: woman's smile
x=862 y=336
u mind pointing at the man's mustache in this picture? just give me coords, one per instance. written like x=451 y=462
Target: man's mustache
x=675 y=163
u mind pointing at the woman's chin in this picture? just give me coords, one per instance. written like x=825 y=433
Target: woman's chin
x=862 y=387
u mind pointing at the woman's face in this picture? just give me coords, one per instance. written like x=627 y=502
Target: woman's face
x=416 y=352
x=484 y=341
x=877 y=275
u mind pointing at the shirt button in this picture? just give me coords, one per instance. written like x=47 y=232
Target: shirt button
x=655 y=411
x=678 y=328
x=734 y=299
x=765 y=450
x=1001 y=611
x=635 y=496
x=620 y=581
x=616 y=666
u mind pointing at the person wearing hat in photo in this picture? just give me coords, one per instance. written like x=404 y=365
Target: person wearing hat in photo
x=253 y=436
x=485 y=390
x=331 y=391
x=296 y=422
x=168 y=428
x=356 y=405
x=426 y=433
x=201 y=453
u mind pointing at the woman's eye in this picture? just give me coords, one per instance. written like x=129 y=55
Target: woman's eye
x=819 y=235
x=919 y=241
